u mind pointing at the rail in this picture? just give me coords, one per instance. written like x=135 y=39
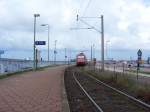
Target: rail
x=89 y=97
x=120 y=92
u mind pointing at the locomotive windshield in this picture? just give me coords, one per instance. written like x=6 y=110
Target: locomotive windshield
x=80 y=57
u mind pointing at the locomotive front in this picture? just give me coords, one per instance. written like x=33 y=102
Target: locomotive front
x=81 y=59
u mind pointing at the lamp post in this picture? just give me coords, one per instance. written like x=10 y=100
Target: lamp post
x=48 y=39
x=55 y=52
x=102 y=42
x=34 y=57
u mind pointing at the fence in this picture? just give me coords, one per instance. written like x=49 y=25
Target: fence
x=13 y=65
x=142 y=76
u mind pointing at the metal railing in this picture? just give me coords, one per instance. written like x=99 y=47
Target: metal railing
x=14 y=65
x=130 y=72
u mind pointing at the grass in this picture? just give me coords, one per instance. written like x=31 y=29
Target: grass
x=2 y=76
x=140 y=71
x=123 y=82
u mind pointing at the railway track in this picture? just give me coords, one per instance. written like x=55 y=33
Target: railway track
x=78 y=101
x=96 y=96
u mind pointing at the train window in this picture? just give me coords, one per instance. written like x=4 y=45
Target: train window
x=80 y=56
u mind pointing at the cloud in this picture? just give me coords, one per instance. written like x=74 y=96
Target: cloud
x=127 y=23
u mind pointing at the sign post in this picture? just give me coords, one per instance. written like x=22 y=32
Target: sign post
x=37 y=52
x=139 y=53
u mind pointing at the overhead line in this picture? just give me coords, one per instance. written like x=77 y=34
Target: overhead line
x=86 y=7
x=90 y=25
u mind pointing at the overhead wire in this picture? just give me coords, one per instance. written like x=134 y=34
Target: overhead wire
x=92 y=27
x=84 y=12
x=86 y=8
x=77 y=23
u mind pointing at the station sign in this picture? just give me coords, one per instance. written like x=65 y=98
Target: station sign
x=139 y=61
x=40 y=42
x=139 y=53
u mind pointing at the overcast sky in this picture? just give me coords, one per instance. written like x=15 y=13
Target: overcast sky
x=127 y=23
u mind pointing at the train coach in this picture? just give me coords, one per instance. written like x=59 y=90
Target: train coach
x=81 y=59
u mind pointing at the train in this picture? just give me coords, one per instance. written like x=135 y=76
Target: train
x=81 y=59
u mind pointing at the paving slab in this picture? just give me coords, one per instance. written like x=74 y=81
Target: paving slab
x=39 y=91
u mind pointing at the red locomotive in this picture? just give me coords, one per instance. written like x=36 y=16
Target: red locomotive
x=81 y=59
